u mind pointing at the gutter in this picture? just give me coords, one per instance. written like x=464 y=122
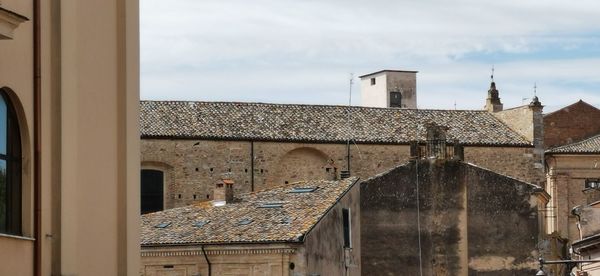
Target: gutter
x=37 y=200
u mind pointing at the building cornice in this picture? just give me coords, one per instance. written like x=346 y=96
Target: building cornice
x=215 y=251
x=9 y=21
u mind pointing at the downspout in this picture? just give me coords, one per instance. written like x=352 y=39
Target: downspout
x=207 y=261
x=37 y=199
x=251 y=166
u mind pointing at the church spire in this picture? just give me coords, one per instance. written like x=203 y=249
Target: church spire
x=493 y=103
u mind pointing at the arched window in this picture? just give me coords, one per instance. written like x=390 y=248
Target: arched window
x=10 y=168
x=152 y=190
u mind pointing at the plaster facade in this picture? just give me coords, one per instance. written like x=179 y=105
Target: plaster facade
x=567 y=174
x=82 y=219
x=376 y=87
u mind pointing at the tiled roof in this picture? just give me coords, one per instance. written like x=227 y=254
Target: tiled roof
x=316 y=123
x=298 y=213
x=589 y=145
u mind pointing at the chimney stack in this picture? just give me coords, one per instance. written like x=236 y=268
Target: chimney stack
x=223 y=193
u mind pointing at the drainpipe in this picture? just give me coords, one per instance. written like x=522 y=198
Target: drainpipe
x=207 y=261
x=252 y=166
x=37 y=200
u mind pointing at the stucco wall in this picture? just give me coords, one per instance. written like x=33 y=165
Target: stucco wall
x=188 y=163
x=324 y=245
x=473 y=222
x=566 y=183
x=89 y=164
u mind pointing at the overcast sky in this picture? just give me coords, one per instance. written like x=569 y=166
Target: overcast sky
x=303 y=51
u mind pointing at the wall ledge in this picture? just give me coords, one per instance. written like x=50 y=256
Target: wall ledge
x=9 y=21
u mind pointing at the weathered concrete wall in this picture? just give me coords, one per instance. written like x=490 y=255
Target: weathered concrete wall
x=570 y=124
x=192 y=167
x=325 y=253
x=472 y=221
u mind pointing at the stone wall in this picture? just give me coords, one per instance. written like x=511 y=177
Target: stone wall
x=192 y=167
x=472 y=222
x=570 y=124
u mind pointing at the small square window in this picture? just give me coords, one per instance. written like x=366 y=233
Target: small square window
x=592 y=184
x=373 y=81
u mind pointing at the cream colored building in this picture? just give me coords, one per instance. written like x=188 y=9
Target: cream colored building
x=69 y=139
x=572 y=171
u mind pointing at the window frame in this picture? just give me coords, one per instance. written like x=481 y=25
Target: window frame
x=13 y=224
x=347 y=227
x=164 y=180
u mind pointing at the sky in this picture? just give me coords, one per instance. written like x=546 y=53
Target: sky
x=305 y=51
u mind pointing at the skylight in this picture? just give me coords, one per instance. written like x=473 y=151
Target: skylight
x=271 y=205
x=303 y=189
x=201 y=223
x=163 y=225
x=245 y=221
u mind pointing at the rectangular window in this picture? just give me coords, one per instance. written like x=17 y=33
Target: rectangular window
x=347 y=221
x=395 y=99
x=372 y=81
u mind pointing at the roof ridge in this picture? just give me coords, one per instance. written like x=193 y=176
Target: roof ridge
x=596 y=136
x=571 y=105
x=310 y=105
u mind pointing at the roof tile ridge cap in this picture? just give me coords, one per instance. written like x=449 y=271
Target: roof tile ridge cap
x=589 y=139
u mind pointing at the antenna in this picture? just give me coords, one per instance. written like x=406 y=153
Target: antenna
x=349 y=124
x=492 y=76
x=535 y=89
x=454 y=104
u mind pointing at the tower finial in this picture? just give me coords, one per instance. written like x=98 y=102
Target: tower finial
x=492 y=76
x=535 y=89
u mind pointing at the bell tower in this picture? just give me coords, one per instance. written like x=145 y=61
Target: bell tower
x=493 y=103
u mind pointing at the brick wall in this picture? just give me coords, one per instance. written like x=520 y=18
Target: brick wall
x=192 y=167
x=570 y=124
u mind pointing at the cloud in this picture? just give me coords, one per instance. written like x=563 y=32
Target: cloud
x=302 y=51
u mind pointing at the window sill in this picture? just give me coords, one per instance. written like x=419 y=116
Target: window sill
x=16 y=237
x=9 y=21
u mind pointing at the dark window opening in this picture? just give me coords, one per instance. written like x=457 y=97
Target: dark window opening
x=395 y=99
x=211 y=169
x=592 y=184
x=10 y=168
x=327 y=169
x=246 y=170
x=229 y=170
x=179 y=196
x=152 y=190
x=287 y=182
x=261 y=170
x=207 y=196
x=194 y=196
x=372 y=81
x=347 y=228
x=196 y=169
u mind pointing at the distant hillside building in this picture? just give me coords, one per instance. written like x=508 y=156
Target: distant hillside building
x=304 y=228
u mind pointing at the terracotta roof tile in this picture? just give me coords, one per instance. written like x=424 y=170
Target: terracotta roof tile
x=317 y=123
x=247 y=220
x=589 y=145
